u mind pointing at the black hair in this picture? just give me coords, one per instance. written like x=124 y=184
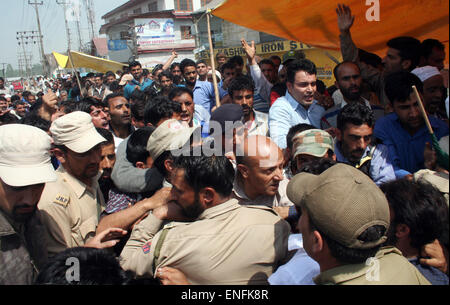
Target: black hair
x=201 y=61
x=99 y=75
x=106 y=134
x=114 y=86
x=369 y=58
x=36 y=121
x=111 y=96
x=227 y=65
x=8 y=118
x=96 y=267
x=165 y=73
x=416 y=204
x=267 y=62
x=137 y=95
x=157 y=68
x=356 y=114
x=295 y=130
x=14 y=98
x=398 y=86
x=187 y=63
x=316 y=167
x=177 y=91
x=241 y=83
x=86 y=103
x=137 y=145
x=110 y=73
x=320 y=86
x=137 y=109
x=90 y=74
x=236 y=60
x=347 y=255
x=134 y=64
x=69 y=106
x=275 y=57
x=216 y=172
x=158 y=163
x=175 y=64
x=336 y=68
x=26 y=94
x=408 y=47
x=427 y=46
x=160 y=108
x=300 y=65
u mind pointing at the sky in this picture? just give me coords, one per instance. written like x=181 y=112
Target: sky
x=18 y=15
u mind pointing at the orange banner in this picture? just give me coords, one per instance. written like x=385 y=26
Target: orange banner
x=315 y=22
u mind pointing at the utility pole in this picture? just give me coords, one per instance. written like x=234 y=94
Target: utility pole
x=29 y=37
x=41 y=43
x=79 y=35
x=64 y=5
x=90 y=17
x=3 y=69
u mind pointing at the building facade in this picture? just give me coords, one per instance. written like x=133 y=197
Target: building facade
x=148 y=30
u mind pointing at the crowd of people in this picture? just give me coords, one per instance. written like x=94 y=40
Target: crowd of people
x=143 y=177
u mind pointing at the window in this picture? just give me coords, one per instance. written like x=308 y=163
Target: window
x=137 y=11
x=124 y=36
x=186 y=32
x=153 y=7
x=204 y=2
x=183 y=5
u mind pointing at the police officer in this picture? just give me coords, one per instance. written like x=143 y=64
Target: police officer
x=24 y=169
x=71 y=206
x=225 y=243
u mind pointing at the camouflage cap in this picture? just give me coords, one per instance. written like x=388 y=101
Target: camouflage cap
x=314 y=142
x=297 y=54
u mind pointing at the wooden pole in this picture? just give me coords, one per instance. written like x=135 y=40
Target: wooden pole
x=213 y=65
x=74 y=71
x=422 y=110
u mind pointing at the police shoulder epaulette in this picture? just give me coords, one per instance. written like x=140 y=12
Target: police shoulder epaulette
x=173 y=224
x=262 y=207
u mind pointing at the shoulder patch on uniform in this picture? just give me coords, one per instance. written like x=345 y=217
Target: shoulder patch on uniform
x=146 y=247
x=62 y=200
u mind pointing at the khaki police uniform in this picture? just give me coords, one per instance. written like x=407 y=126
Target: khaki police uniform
x=390 y=267
x=22 y=250
x=70 y=211
x=227 y=244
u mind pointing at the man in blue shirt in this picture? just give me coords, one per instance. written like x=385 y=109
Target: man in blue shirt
x=404 y=132
x=298 y=105
x=138 y=79
x=354 y=144
x=204 y=94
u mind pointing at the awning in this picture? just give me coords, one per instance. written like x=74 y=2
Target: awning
x=81 y=60
x=315 y=22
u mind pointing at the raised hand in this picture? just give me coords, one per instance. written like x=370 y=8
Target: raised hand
x=345 y=18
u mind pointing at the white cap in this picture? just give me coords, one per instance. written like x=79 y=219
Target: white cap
x=425 y=72
x=170 y=135
x=25 y=156
x=76 y=131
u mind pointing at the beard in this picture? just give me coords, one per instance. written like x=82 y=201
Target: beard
x=194 y=210
x=22 y=217
x=352 y=96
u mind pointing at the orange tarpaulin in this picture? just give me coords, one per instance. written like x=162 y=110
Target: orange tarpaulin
x=315 y=22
